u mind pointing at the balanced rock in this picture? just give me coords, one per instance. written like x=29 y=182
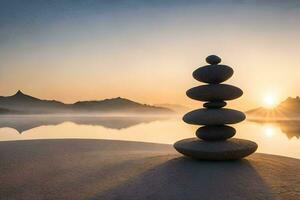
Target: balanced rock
x=214 y=140
x=231 y=149
x=213 y=59
x=214 y=92
x=213 y=73
x=213 y=133
x=204 y=116
x=215 y=104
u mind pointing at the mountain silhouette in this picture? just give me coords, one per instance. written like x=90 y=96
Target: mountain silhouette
x=21 y=103
x=286 y=110
x=7 y=111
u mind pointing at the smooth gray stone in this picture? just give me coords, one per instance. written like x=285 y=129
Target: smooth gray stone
x=219 y=116
x=213 y=73
x=213 y=59
x=215 y=104
x=231 y=149
x=213 y=133
x=214 y=92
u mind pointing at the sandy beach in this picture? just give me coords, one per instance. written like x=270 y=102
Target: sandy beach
x=106 y=169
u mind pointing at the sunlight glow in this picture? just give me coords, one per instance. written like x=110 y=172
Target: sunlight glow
x=269 y=101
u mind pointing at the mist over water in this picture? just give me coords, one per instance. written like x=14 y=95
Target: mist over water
x=280 y=138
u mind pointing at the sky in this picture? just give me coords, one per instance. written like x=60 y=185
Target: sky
x=72 y=50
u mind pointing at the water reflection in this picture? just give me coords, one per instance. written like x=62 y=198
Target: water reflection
x=269 y=131
x=24 y=123
x=280 y=138
x=291 y=128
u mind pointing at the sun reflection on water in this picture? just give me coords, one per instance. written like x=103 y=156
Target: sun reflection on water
x=269 y=130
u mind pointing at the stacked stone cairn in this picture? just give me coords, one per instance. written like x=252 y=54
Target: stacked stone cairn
x=214 y=140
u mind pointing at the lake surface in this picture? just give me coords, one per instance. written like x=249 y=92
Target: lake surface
x=272 y=138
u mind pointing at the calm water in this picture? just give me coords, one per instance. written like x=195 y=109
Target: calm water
x=273 y=138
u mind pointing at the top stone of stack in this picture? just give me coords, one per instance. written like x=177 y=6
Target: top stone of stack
x=213 y=59
x=213 y=73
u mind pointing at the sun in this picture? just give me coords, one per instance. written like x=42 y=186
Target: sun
x=269 y=101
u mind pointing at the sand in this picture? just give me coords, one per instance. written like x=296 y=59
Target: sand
x=105 y=169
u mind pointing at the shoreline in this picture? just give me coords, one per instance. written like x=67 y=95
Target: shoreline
x=112 y=169
x=129 y=141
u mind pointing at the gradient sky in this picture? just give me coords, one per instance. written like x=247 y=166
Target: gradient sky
x=147 y=50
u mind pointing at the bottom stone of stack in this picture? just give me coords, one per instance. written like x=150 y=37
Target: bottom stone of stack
x=231 y=149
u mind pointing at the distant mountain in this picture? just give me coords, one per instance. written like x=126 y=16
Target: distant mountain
x=27 y=104
x=286 y=110
x=21 y=103
x=7 y=111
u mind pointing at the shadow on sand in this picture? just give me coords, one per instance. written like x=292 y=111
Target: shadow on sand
x=184 y=178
